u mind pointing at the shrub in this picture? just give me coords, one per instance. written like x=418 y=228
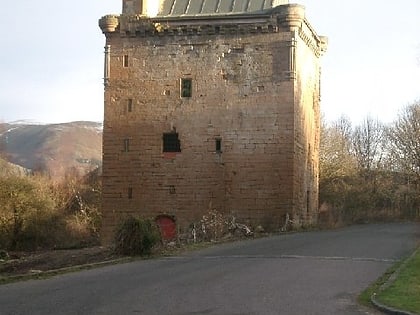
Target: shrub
x=213 y=225
x=136 y=237
x=27 y=215
x=42 y=228
x=82 y=229
x=38 y=213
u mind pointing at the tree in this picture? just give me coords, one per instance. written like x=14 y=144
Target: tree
x=404 y=149
x=404 y=141
x=353 y=186
x=336 y=160
x=367 y=144
x=337 y=164
x=27 y=215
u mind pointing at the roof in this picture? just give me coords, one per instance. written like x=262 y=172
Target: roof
x=215 y=7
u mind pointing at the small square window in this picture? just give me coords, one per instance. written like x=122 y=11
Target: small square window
x=186 y=87
x=171 y=142
x=125 y=61
x=260 y=88
x=172 y=189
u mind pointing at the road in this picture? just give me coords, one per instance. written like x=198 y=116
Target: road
x=301 y=273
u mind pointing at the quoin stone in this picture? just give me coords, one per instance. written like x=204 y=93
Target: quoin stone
x=211 y=104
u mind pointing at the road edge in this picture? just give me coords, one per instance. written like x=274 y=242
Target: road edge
x=388 y=309
x=38 y=275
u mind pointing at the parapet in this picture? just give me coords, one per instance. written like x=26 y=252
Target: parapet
x=268 y=19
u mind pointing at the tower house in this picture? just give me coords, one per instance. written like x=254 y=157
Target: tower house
x=211 y=104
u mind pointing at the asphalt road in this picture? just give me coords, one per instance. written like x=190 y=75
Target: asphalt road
x=302 y=273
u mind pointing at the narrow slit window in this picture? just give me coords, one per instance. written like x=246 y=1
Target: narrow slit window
x=126 y=145
x=130 y=193
x=171 y=142
x=125 y=61
x=130 y=105
x=218 y=145
x=186 y=87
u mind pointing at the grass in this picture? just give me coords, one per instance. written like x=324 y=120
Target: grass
x=404 y=292
x=364 y=297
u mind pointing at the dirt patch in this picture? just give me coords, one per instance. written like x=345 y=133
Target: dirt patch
x=27 y=263
x=20 y=263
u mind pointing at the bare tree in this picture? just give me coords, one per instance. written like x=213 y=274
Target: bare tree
x=368 y=144
x=404 y=141
x=343 y=129
x=404 y=148
x=335 y=149
x=337 y=165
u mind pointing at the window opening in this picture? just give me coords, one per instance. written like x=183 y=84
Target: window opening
x=218 y=145
x=171 y=142
x=186 y=87
x=126 y=145
x=130 y=193
x=308 y=201
x=130 y=105
x=172 y=189
x=125 y=61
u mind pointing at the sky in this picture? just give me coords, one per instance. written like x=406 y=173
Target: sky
x=51 y=58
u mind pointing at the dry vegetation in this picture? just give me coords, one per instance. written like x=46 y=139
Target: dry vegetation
x=370 y=172
x=367 y=173
x=39 y=213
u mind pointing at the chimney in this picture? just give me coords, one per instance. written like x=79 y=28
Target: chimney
x=131 y=7
x=148 y=8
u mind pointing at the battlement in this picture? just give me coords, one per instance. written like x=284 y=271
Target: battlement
x=287 y=17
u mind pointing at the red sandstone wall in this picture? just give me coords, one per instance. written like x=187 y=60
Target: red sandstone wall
x=242 y=93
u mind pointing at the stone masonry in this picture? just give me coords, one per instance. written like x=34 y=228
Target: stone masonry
x=211 y=107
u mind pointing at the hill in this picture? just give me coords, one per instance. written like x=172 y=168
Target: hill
x=7 y=169
x=53 y=149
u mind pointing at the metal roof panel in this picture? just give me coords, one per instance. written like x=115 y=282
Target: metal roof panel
x=215 y=7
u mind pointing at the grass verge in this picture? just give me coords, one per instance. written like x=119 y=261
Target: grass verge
x=404 y=292
x=364 y=297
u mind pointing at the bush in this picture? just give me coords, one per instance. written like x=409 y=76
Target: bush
x=42 y=228
x=38 y=213
x=27 y=216
x=136 y=237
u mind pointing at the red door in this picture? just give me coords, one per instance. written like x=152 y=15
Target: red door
x=167 y=227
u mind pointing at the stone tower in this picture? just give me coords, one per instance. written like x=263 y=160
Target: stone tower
x=211 y=104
